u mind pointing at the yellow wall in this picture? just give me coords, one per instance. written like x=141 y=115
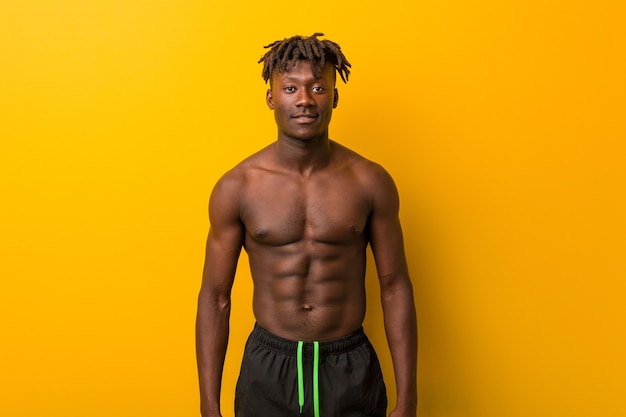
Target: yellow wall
x=503 y=124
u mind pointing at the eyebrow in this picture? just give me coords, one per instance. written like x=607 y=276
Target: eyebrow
x=292 y=78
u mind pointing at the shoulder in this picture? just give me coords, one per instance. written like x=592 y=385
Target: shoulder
x=237 y=177
x=231 y=186
x=372 y=176
x=374 y=182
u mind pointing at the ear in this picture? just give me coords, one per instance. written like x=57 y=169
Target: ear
x=335 y=99
x=269 y=99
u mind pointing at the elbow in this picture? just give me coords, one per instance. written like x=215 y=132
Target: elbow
x=395 y=286
x=214 y=300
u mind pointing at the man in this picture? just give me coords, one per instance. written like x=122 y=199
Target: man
x=305 y=208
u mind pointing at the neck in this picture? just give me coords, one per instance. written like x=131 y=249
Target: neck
x=305 y=157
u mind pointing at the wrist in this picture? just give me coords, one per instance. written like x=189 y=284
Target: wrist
x=408 y=405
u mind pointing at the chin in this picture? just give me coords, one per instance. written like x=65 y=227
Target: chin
x=304 y=136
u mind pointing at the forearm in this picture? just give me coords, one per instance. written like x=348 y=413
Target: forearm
x=212 y=329
x=401 y=329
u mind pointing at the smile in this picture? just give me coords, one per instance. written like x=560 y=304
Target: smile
x=305 y=118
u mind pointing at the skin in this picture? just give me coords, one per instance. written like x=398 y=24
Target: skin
x=305 y=208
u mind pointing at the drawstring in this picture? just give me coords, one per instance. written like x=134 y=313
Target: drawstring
x=300 y=377
x=316 y=384
x=316 y=391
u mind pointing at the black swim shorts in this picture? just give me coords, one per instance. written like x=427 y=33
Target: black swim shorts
x=284 y=378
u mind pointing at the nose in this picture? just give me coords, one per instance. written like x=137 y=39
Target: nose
x=304 y=99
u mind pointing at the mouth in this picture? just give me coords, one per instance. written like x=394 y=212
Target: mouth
x=304 y=118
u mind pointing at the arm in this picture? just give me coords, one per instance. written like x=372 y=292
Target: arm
x=396 y=291
x=212 y=323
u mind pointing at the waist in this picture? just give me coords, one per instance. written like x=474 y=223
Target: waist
x=289 y=347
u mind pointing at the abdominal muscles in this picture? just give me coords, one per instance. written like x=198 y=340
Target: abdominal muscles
x=309 y=293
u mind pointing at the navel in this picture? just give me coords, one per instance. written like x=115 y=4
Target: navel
x=307 y=307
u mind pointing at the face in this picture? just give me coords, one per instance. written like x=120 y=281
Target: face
x=303 y=104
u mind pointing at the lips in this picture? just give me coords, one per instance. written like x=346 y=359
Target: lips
x=305 y=116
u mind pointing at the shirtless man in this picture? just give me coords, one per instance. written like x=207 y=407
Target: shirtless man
x=305 y=208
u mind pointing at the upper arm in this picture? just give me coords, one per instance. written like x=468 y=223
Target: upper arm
x=385 y=231
x=225 y=238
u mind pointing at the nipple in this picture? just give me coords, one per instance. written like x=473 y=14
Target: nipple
x=307 y=307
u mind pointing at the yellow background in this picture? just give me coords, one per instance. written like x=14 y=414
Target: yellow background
x=503 y=124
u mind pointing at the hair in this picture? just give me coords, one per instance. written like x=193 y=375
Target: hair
x=286 y=53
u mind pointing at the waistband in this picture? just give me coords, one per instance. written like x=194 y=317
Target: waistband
x=290 y=347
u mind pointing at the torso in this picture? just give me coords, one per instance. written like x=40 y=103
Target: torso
x=306 y=238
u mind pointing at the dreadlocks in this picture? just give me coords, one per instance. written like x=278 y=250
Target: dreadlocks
x=287 y=52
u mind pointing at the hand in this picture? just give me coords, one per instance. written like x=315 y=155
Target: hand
x=210 y=413
x=404 y=412
x=207 y=414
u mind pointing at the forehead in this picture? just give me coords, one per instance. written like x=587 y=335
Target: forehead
x=302 y=71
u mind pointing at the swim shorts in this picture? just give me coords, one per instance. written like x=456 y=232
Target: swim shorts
x=284 y=378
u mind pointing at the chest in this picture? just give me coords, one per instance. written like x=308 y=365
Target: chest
x=279 y=210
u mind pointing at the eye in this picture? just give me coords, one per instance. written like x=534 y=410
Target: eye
x=289 y=89
x=319 y=89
